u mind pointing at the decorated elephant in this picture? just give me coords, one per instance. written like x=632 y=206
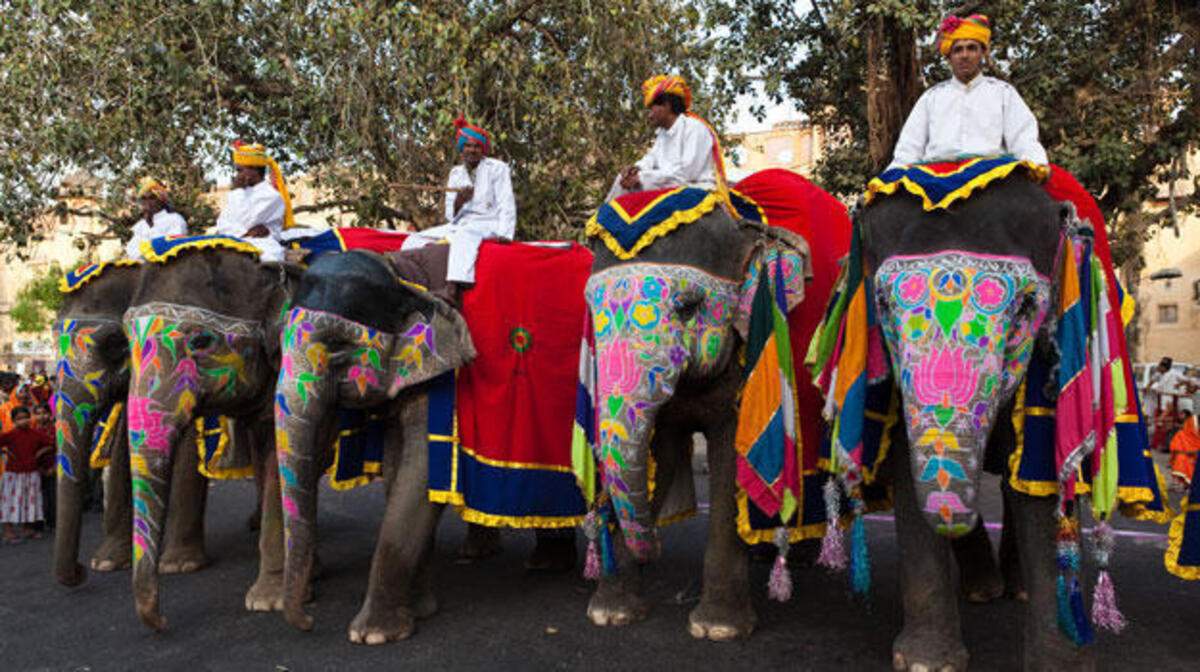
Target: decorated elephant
x=203 y=329
x=365 y=334
x=981 y=317
x=93 y=380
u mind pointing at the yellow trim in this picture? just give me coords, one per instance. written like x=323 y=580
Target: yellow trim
x=753 y=536
x=64 y=288
x=1031 y=488
x=877 y=185
x=224 y=431
x=96 y=460
x=885 y=441
x=677 y=219
x=1175 y=544
x=470 y=515
x=446 y=497
x=761 y=213
x=211 y=243
x=677 y=518
x=337 y=233
x=370 y=469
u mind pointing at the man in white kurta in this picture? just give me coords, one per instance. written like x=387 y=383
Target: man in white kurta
x=682 y=154
x=479 y=205
x=158 y=219
x=970 y=114
x=255 y=210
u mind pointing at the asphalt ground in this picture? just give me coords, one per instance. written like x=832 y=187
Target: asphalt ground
x=495 y=616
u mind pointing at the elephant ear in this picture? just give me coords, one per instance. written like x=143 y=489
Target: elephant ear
x=785 y=262
x=431 y=342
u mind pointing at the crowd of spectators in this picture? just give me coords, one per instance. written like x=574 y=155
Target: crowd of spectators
x=27 y=456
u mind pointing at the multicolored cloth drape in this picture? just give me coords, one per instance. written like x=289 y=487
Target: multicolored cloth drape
x=939 y=185
x=1183 y=549
x=162 y=250
x=629 y=223
x=74 y=279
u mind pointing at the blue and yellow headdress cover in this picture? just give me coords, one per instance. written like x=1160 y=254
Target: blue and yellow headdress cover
x=256 y=156
x=465 y=132
x=674 y=84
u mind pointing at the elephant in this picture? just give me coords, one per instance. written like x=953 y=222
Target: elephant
x=985 y=267
x=359 y=338
x=93 y=375
x=669 y=325
x=203 y=336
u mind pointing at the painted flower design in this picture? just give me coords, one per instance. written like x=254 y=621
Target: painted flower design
x=618 y=369
x=146 y=427
x=991 y=294
x=944 y=377
x=911 y=289
x=652 y=288
x=645 y=315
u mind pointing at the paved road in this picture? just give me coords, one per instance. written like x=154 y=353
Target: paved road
x=495 y=617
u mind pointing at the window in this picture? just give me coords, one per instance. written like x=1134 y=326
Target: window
x=1168 y=313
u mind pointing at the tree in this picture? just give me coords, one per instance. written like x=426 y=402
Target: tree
x=1114 y=83
x=37 y=302
x=359 y=96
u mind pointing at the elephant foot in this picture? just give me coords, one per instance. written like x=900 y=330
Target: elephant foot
x=613 y=604
x=721 y=622
x=182 y=560
x=378 y=626
x=267 y=593
x=481 y=543
x=113 y=555
x=928 y=650
x=552 y=556
x=981 y=584
x=73 y=577
x=1050 y=651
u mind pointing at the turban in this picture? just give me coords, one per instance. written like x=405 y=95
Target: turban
x=148 y=186
x=256 y=156
x=974 y=27
x=465 y=132
x=659 y=84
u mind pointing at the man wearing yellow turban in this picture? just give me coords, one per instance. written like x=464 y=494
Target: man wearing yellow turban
x=256 y=209
x=970 y=114
x=685 y=153
x=158 y=218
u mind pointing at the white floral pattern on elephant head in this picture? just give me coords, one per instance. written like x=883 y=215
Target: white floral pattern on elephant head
x=961 y=329
x=652 y=323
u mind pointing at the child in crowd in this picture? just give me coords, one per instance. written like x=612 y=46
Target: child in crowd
x=44 y=421
x=21 y=484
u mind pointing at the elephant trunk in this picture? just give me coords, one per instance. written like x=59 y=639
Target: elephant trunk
x=157 y=425
x=304 y=408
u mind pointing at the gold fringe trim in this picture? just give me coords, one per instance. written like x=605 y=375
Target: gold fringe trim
x=209 y=244
x=1175 y=544
x=65 y=288
x=753 y=536
x=98 y=461
x=878 y=186
x=224 y=432
x=677 y=219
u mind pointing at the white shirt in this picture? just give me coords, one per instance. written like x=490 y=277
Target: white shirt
x=247 y=208
x=492 y=210
x=164 y=224
x=681 y=157
x=986 y=117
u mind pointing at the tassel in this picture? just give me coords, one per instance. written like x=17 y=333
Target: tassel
x=591 y=566
x=1065 y=623
x=1105 y=613
x=608 y=555
x=833 y=552
x=1083 y=628
x=779 y=587
x=860 y=560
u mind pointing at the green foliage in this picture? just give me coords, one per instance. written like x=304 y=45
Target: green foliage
x=1114 y=83
x=359 y=96
x=37 y=302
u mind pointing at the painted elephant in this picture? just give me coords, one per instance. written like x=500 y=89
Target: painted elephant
x=357 y=338
x=203 y=332
x=93 y=375
x=962 y=296
x=669 y=325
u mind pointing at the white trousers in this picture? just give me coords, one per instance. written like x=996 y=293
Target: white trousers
x=271 y=250
x=464 y=247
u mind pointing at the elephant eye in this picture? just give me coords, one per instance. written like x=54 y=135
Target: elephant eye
x=201 y=341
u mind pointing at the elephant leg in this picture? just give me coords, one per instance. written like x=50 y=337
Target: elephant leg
x=399 y=589
x=932 y=634
x=724 y=611
x=184 y=545
x=267 y=592
x=481 y=542
x=981 y=581
x=618 y=598
x=1010 y=559
x=116 y=550
x=554 y=552
x=1044 y=645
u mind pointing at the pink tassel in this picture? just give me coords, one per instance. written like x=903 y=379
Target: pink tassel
x=1105 y=613
x=591 y=566
x=779 y=587
x=833 y=551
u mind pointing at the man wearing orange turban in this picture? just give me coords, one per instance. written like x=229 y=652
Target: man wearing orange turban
x=685 y=153
x=158 y=218
x=971 y=114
